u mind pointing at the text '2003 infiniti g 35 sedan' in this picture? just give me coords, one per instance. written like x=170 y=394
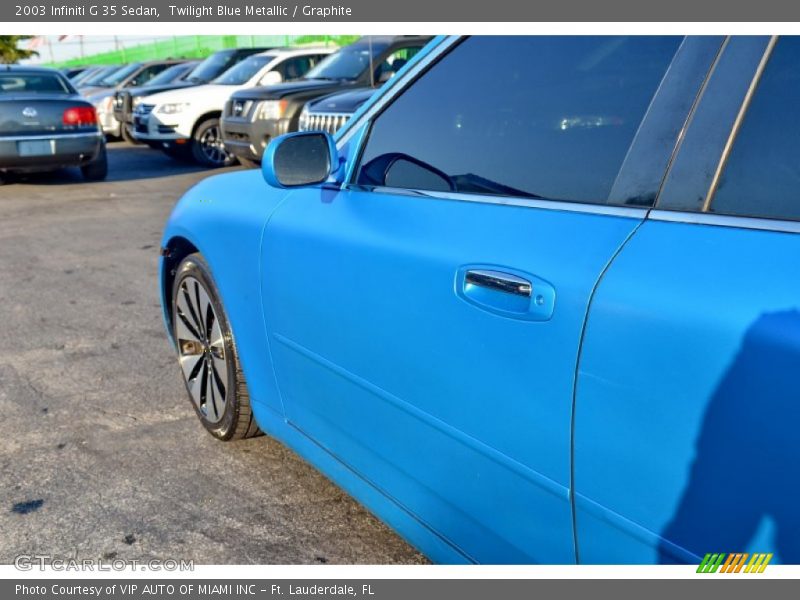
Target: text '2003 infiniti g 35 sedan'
x=544 y=312
x=46 y=125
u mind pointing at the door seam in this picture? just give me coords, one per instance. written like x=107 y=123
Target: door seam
x=575 y=381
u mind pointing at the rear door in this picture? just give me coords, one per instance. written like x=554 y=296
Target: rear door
x=688 y=395
x=425 y=319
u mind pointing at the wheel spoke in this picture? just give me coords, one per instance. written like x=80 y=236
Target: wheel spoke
x=188 y=306
x=199 y=309
x=210 y=396
x=195 y=384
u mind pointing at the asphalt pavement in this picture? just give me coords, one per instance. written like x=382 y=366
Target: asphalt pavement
x=101 y=454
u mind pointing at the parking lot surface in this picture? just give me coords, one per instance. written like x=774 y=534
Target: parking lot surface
x=102 y=455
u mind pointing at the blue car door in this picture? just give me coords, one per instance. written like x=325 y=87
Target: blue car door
x=424 y=318
x=688 y=398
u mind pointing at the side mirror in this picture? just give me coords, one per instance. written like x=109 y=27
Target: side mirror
x=297 y=159
x=271 y=78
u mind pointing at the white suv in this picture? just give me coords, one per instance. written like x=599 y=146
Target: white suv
x=186 y=120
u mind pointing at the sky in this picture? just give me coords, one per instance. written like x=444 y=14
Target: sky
x=52 y=50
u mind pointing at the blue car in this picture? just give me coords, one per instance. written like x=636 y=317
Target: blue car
x=537 y=302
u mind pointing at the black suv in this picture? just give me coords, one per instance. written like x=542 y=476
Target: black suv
x=252 y=117
x=216 y=64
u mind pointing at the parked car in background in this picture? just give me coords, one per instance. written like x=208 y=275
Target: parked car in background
x=126 y=100
x=177 y=73
x=96 y=76
x=528 y=303
x=254 y=116
x=188 y=118
x=102 y=93
x=72 y=72
x=89 y=71
x=331 y=113
x=45 y=125
x=130 y=75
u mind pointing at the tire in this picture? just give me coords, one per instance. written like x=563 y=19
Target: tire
x=97 y=170
x=207 y=354
x=207 y=148
x=248 y=164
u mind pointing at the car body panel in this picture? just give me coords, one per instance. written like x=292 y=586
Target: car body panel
x=383 y=409
x=686 y=406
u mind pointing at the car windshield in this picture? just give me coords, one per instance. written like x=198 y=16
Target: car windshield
x=347 y=64
x=100 y=75
x=119 y=75
x=245 y=70
x=32 y=83
x=168 y=75
x=210 y=68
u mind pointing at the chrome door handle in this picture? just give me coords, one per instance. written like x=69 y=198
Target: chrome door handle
x=499 y=281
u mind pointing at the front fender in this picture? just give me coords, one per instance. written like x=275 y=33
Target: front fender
x=223 y=217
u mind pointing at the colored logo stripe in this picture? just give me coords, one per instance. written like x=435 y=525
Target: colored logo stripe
x=733 y=562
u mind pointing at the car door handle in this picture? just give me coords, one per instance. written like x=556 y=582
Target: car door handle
x=508 y=292
x=499 y=281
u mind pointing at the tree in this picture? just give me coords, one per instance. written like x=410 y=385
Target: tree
x=10 y=52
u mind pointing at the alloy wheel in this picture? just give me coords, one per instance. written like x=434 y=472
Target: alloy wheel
x=201 y=349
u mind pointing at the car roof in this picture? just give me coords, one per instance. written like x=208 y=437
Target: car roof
x=388 y=40
x=30 y=69
x=296 y=50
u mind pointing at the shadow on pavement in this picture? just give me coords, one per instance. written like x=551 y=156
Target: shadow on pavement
x=126 y=162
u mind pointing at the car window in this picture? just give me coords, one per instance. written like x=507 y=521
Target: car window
x=170 y=74
x=761 y=177
x=119 y=75
x=27 y=83
x=296 y=67
x=394 y=62
x=349 y=63
x=539 y=117
x=148 y=73
x=213 y=66
x=243 y=71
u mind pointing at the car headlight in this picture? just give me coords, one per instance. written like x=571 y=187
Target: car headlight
x=272 y=109
x=172 y=108
x=304 y=118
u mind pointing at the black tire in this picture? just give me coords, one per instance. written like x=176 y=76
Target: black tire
x=235 y=419
x=125 y=130
x=207 y=148
x=97 y=170
x=248 y=164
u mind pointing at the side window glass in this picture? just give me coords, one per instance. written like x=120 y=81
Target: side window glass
x=537 y=117
x=394 y=62
x=148 y=73
x=761 y=177
x=295 y=68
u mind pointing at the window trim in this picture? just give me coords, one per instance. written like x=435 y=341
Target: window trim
x=737 y=125
x=717 y=220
